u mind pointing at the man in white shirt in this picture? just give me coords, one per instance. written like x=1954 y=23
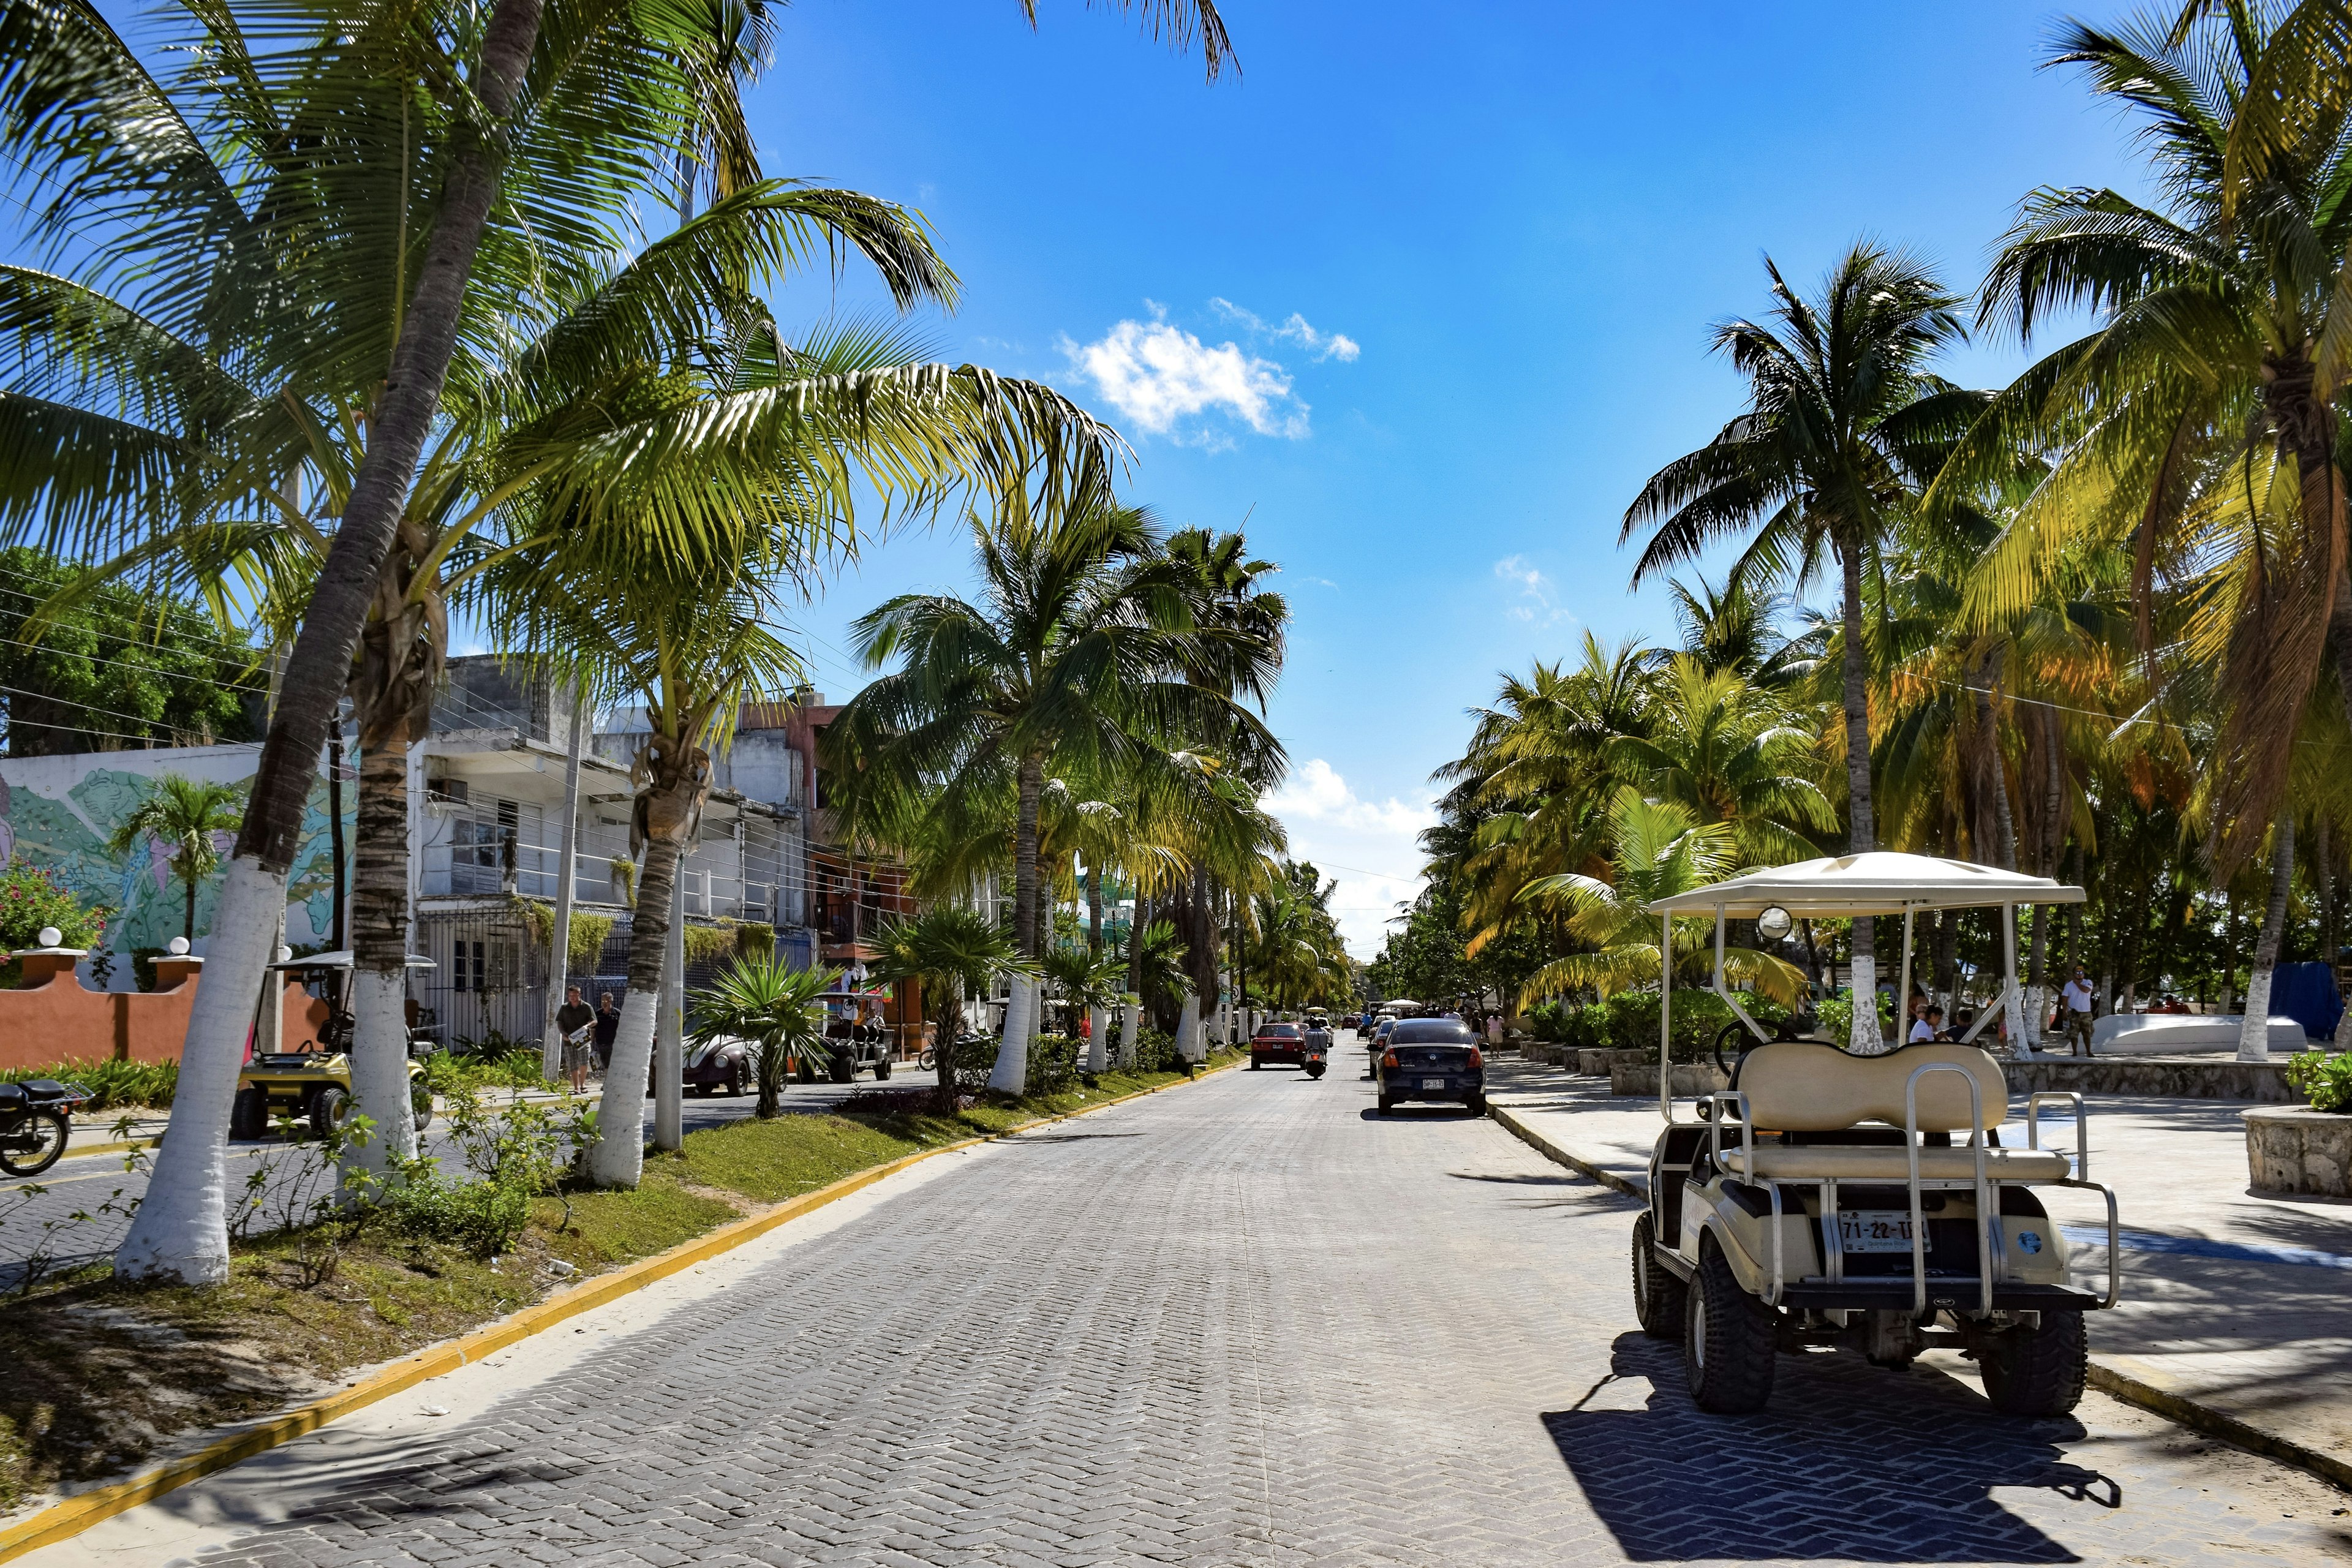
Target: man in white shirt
x=2077 y=998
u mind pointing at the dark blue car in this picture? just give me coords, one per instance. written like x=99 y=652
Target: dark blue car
x=1433 y=1059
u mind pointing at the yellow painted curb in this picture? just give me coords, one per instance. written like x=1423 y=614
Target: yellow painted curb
x=109 y=1148
x=66 y=1519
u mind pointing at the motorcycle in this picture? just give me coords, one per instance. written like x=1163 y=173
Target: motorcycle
x=1313 y=1056
x=35 y=1120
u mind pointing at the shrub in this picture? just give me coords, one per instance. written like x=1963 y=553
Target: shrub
x=1837 y=1015
x=31 y=897
x=1629 y=1021
x=515 y=1066
x=2325 y=1081
x=1053 y=1063
x=483 y=1217
x=115 y=1084
x=1156 y=1052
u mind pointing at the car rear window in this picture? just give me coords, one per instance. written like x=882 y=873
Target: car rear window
x=1287 y=1031
x=1432 y=1032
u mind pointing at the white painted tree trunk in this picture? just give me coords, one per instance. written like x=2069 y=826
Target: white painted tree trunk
x=380 y=1070
x=1010 y=1075
x=1127 y=1023
x=181 y=1231
x=2254 y=1033
x=618 y=1157
x=2037 y=1005
x=1862 y=982
x=1098 y=1040
x=1190 y=1027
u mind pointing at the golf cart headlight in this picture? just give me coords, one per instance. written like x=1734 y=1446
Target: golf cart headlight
x=1773 y=923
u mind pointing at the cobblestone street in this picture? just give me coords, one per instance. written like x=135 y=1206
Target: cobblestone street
x=1248 y=1321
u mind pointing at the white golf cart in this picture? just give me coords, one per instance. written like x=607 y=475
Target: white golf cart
x=1820 y=1199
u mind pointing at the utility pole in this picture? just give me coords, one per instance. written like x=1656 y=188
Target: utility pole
x=559 y=967
x=669 y=1059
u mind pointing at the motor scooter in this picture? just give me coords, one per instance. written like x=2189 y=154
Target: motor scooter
x=35 y=1120
x=1314 y=1055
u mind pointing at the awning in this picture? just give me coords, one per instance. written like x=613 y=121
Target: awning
x=1881 y=882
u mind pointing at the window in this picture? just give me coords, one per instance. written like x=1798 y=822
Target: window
x=479 y=966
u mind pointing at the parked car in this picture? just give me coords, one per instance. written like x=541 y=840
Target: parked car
x=1352 y=1021
x=722 y=1066
x=1282 y=1044
x=1433 y=1059
x=1377 y=1044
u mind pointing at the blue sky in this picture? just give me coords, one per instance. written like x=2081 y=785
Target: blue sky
x=1420 y=299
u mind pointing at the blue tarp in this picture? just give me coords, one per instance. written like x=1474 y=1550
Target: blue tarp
x=2306 y=993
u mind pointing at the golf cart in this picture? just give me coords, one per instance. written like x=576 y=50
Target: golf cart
x=313 y=1082
x=854 y=1041
x=1820 y=1199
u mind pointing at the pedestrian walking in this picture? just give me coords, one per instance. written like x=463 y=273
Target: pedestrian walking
x=608 y=1029
x=577 y=1024
x=2076 y=997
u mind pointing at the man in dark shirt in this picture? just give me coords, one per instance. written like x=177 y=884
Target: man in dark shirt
x=608 y=1028
x=576 y=1024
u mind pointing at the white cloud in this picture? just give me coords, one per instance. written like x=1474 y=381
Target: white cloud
x=1157 y=375
x=1322 y=345
x=1371 y=848
x=1538 y=600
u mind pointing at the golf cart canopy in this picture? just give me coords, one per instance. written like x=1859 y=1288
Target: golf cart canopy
x=341 y=959
x=1879 y=882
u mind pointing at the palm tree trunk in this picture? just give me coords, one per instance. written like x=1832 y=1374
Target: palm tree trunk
x=1862 y=833
x=1011 y=1072
x=944 y=1031
x=379 y=952
x=2323 y=866
x=617 y=1158
x=188 y=916
x=1094 y=910
x=2254 y=1034
x=338 y=932
x=180 y=1230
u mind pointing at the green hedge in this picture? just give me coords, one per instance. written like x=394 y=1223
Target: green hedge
x=115 y=1084
x=1629 y=1021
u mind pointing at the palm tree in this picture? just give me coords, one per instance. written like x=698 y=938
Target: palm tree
x=256 y=201
x=181 y=815
x=1845 y=427
x=1074 y=655
x=1661 y=850
x=279 y=239
x=952 y=953
x=2225 y=318
x=1731 y=754
x=761 y=998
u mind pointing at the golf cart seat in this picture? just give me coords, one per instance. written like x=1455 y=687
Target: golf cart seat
x=1813 y=1090
x=1850 y=1163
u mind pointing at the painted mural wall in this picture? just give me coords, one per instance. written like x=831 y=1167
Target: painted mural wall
x=58 y=813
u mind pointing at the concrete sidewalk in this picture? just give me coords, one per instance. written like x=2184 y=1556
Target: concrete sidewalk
x=2237 y=1308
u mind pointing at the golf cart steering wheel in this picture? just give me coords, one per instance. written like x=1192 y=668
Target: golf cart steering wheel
x=1748 y=1042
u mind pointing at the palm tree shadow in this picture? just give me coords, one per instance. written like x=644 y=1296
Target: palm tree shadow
x=1848 y=1462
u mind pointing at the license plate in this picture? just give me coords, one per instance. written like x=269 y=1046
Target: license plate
x=1432 y=1083
x=1875 y=1230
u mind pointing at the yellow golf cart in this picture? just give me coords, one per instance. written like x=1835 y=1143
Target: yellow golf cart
x=313 y=1082
x=1821 y=1198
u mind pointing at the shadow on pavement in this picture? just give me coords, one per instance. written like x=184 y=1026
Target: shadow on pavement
x=1849 y=1461
x=1417 y=1112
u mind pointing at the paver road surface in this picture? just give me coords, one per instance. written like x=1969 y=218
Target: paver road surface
x=1249 y=1322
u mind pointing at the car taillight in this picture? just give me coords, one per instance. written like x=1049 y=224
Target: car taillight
x=1476 y=1061
x=1388 y=1060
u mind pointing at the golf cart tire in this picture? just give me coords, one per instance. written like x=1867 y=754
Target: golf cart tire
x=2035 y=1371
x=844 y=1072
x=248 y=1113
x=329 y=1108
x=882 y=1070
x=1729 y=1340
x=1658 y=1291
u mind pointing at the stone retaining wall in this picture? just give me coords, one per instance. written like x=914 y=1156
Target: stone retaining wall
x=1691 y=1079
x=2179 y=1078
x=2299 y=1150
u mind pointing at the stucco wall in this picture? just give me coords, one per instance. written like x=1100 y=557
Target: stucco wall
x=53 y=1018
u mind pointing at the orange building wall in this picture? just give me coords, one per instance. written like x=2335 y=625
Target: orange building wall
x=54 y=1017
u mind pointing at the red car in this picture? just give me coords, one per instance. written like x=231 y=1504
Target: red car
x=1283 y=1044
